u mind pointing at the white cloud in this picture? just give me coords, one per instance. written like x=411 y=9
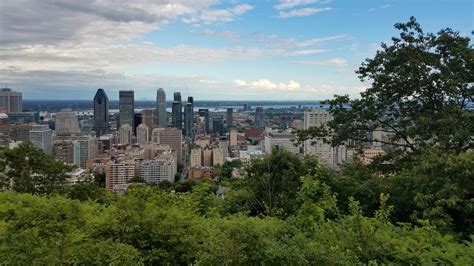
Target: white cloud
x=288 y=4
x=239 y=82
x=265 y=84
x=337 y=62
x=207 y=16
x=380 y=7
x=307 y=11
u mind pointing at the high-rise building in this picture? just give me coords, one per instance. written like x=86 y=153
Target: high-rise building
x=157 y=170
x=233 y=137
x=177 y=111
x=331 y=156
x=280 y=140
x=85 y=148
x=63 y=150
x=161 y=107
x=217 y=125
x=119 y=173
x=11 y=100
x=142 y=134
x=205 y=114
x=207 y=157
x=148 y=119
x=189 y=118
x=259 y=123
x=125 y=134
x=230 y=118
x=42 y=138
x=196 y=157
x=171 y=137
x=127 y=108
x=66 y=122
x=217 y=157
x=101 y=113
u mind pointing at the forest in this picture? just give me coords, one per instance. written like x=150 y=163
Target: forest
x=414 y=205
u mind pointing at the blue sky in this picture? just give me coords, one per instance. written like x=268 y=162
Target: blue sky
x=213 y=50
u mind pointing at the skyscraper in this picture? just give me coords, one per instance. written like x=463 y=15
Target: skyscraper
x=41 y=137
x=205 y=113
x=177 y=111
x=101 y=113
x=148 y=119
x=11 y=100
x=125 y=134
x=127 y=108
x=161 y=107
x=171 y=137
x=66 y=122
x=217 y=126
x=259 y=117
x=143 y=134
x=189 y=118
x=230 y=118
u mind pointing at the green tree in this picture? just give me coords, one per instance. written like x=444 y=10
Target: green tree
x=421 y=85
x=27 y=169
x=273 y=183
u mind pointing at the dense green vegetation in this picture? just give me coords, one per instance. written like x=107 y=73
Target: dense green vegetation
x=414 y=207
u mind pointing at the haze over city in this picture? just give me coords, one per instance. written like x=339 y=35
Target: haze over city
x=212 y=50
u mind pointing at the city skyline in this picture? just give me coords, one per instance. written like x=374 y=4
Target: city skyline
x=213 y=50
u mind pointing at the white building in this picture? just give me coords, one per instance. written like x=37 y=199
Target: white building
x=157 y=170
x=126 y=134
x=142 y=134
x=280 y=140
x=217 y=157
x=41 y=137
x=326 y=154
x=66 y=122
x=85 y=148
x=233 y=137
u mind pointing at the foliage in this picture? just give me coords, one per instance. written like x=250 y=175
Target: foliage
x=421 y=85
x=27 y=169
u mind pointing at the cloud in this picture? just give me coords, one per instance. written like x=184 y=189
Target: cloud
x=307 y=11
x=380 y=7
x=265 y=84
x=207 y=16
x=228 y=35
x=288 y=4
x=336 y=62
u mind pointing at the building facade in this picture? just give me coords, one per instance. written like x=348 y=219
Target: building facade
x=127 y=108
x=11 y=100
x=101 y=113
x=161 y=108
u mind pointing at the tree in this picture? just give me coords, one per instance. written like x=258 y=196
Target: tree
x=27 y=169
x=421 y=85
x=273 y=183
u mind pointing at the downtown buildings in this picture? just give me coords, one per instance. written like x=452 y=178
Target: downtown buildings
x=11 y=100
x=101 y=113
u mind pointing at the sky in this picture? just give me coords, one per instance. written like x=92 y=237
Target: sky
x=209 y=49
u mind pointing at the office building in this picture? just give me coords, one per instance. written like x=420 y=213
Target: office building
x=189 y=118
x=171 y=137
x=217 y=125
x=127 y=108
x=206 y=157
x=11 y=100
x=196 y=157
x=177 y=111
x=119 y=173
x=63 y=150
x=24 y=118
x=230 y=118
x=259 y=122
x=233 y=137
x=41 y=137
x=101 y=113
x=157 y=170
x=85 y=148
x=331 y=156
x=161 y=107
x=148 y=119
x=280 y=140
x=205 y=114
x=142 y=134
x=126 y=134
x=66 y=122
x=217 y=157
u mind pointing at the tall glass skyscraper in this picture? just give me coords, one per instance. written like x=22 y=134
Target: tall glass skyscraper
x=101 y=113
x=259 y=117
x=189 y=118
x=127 y=108
x=161 y=107
x=177 y=111
x=230 y=118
